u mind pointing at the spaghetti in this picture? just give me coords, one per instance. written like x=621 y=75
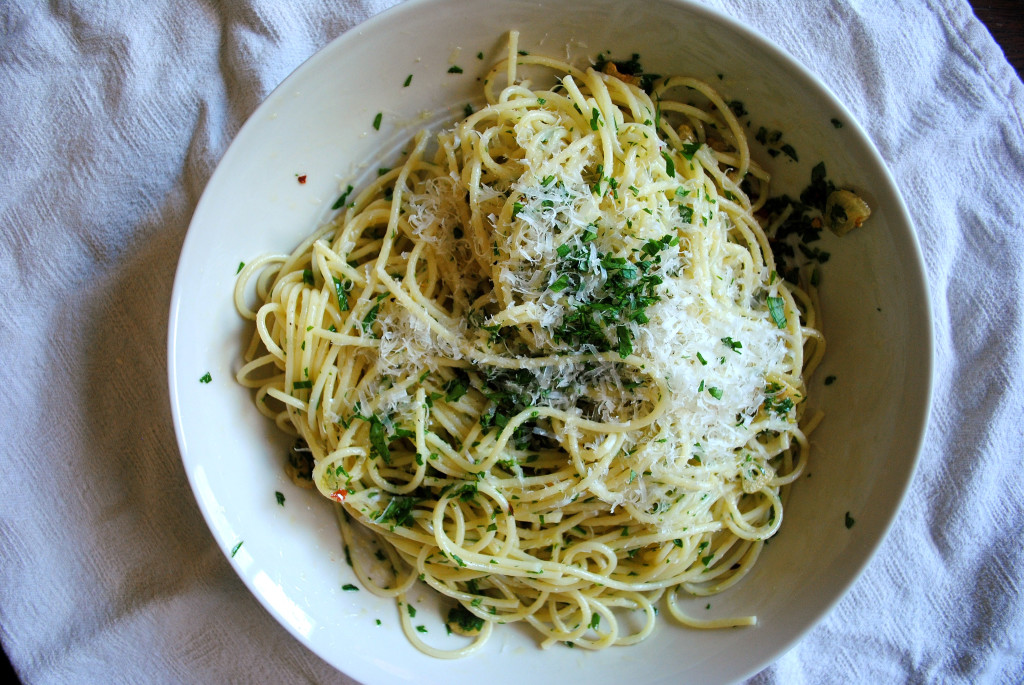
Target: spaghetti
x=546 y=360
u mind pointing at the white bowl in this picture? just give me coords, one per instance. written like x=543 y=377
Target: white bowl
x=320 y=123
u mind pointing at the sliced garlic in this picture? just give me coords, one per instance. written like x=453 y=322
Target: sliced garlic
x=845 y=211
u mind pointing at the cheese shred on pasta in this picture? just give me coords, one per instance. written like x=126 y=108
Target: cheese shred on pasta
x=546 y=359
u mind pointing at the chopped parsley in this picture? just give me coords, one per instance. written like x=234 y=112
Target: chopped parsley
x=625 y=337
x=343 y=198
x=560 y=284
x=398 y=512
x=377 y=120
x=454 y=69
x=773 y=402
x=816 y=194
x=280 y=498
x=370 y=317
x=670 y=166
x=510 y=391
x=408 y=80
x=466 y=620
x=238 y=546
x=777 y=311
x=601 y=317
x=629 y=67
x=349 y=587
x=767 y=137
x=794 y=236
x=341 y=289
x=205 y=378
x=379 y=441
x=848 y=521
x=456 y=387
x=689 y=149
x=734 y=345
x=465 y=492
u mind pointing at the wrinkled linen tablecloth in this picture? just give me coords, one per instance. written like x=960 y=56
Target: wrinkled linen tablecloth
x=112 y=119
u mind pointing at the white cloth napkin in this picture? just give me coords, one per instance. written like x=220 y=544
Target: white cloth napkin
x=112 y=118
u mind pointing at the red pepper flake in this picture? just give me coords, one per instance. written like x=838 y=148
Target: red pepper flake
x=339 y=495
x=302 y=179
